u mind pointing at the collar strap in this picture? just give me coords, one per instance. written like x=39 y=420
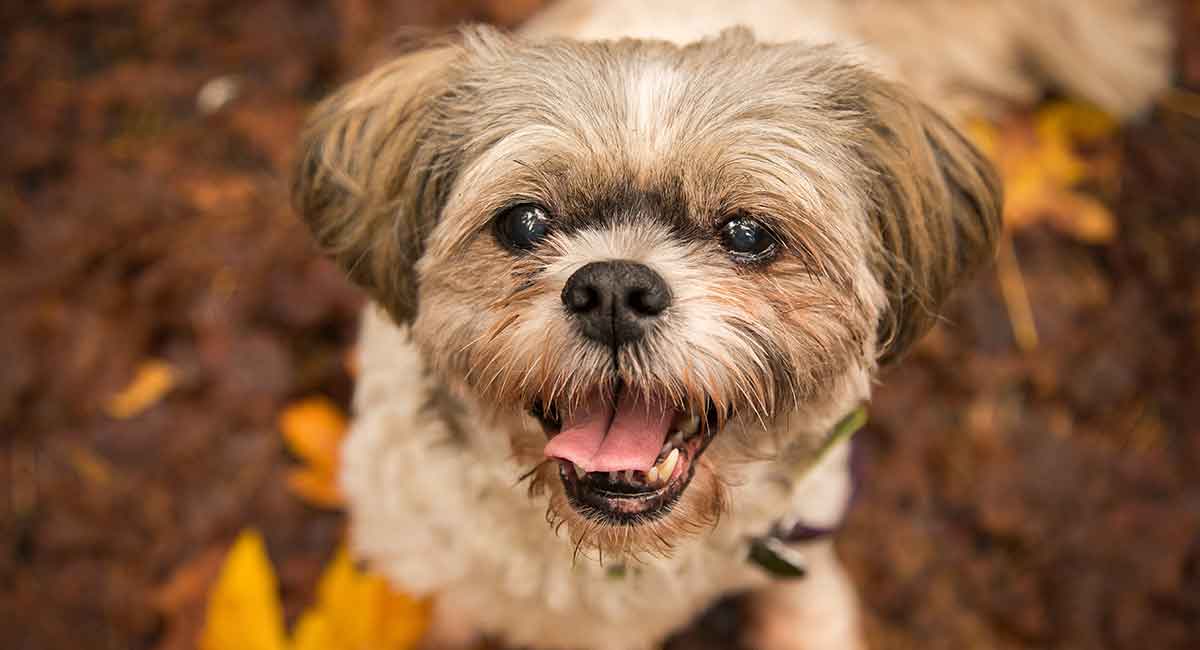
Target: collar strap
x=841 y=432
x=774 y=552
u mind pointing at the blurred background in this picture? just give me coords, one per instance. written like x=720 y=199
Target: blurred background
x=174 y=356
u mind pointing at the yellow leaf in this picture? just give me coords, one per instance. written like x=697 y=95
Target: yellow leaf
x=1074 y=122
x=359 y=611
x=150 y=383
x=243 y=607
x=985 y=135
x=1057 y=163
x=1039 y=156
x=314 y=633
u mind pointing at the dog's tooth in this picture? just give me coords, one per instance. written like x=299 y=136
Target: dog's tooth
x=668 y=465
x=614 y=476
x=629 y=476
x=691 y=426
x=652 y=475
x=579 y=473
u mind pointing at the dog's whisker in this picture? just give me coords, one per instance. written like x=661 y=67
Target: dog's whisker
x=533 y=470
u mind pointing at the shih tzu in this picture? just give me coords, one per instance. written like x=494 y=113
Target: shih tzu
x=632 y=266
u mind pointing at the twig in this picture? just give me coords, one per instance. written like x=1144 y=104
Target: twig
x=1016 y=299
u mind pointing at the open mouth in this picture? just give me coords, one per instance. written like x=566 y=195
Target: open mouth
x=629 y=462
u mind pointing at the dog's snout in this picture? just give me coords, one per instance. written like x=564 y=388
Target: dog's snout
x=613 y=301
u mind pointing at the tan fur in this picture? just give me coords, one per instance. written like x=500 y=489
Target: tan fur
x=367 y=183
x=640 y=150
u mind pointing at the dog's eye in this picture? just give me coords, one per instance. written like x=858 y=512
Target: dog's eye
x=747 y=239
x=522 y=227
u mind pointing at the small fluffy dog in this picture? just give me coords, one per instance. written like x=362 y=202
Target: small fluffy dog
x=630 y=268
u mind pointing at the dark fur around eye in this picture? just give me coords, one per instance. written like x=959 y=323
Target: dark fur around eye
x=521 y=227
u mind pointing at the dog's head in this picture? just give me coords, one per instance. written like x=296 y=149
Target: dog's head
x=654 y=250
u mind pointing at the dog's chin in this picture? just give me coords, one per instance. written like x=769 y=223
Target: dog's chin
x=630 y=512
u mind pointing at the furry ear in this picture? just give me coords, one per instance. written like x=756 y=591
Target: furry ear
x=935 y=204
x=371 y=177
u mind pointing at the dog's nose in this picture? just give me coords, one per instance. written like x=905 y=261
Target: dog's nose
x=613 y=301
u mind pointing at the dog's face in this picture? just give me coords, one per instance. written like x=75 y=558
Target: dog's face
x=662 y=256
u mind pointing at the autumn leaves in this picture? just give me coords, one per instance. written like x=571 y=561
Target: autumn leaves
x=354 y=610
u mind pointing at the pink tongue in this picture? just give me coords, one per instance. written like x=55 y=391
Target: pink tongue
x=599 y=440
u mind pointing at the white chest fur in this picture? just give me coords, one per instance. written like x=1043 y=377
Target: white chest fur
x=440 y=516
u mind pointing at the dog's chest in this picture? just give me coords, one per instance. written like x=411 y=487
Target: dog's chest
x=439 y=516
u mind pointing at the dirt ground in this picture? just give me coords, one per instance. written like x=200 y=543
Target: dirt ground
x=1039 y=499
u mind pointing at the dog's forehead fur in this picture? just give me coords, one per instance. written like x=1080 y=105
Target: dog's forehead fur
x=413 y=159
x=635 y=130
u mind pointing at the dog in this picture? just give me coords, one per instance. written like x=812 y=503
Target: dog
x=631 y=266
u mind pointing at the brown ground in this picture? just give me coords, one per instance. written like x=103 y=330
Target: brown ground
x=1011 y=500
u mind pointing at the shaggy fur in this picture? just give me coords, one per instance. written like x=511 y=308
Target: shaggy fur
x=641 y=150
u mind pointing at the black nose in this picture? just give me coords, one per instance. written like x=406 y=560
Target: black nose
x=614 y=301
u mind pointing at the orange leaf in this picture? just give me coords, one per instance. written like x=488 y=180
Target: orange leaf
x=151 y=382
x=1083 y=218
x=316 y=488
x=313 y=429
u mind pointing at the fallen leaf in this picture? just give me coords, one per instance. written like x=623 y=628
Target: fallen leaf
x=151 y=382
x=316 y=488
x=243 y=608
x=1083 y=217
x=218 y=194
x=359 y=611
x=313 y=430
x=91 y=467
x=1039 y=156
x=355 y=610
x=1074 y=122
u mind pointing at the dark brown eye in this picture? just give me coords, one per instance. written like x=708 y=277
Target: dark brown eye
x=747 y=240
x=523 y=226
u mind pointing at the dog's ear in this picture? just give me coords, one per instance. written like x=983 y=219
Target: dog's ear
x=935 y=205
x=372 y=176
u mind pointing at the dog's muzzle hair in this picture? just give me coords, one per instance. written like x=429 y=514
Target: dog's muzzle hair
x=651 y=263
